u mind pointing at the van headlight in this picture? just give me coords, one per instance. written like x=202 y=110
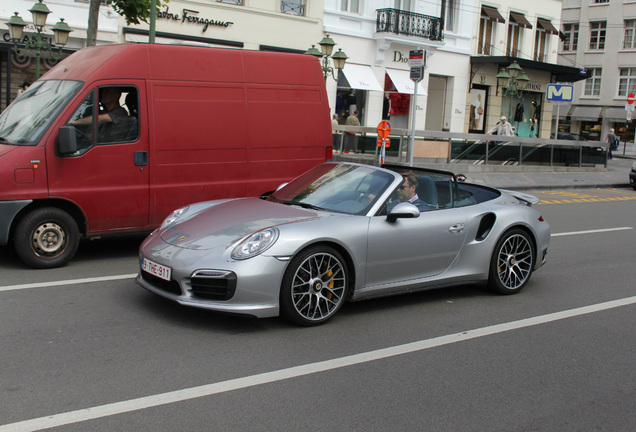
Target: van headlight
x=172 y=218
x=255 y=244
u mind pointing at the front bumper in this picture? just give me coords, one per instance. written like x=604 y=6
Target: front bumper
x=202 y=279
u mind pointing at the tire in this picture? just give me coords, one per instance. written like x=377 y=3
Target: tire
x=512 y=262
x=46 y=238
x=314 y=286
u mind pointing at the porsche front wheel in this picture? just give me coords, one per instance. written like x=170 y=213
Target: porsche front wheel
x=512 y=262
x=314 y=286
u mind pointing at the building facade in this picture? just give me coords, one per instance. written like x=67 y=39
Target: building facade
x=600 y=36
x=377 y=36
x=15 y=70
x=514 y=58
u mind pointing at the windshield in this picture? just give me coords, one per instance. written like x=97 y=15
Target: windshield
x=26 y=119
x=341 y=188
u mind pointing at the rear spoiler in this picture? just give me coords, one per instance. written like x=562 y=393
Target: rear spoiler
x=526 y=199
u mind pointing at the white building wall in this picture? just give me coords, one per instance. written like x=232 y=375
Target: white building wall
x=449 y=58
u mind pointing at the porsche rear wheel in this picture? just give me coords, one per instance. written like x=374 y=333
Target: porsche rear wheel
x=314 y=286
x=512 y=262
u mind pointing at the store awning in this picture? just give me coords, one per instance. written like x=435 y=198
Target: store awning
x=617 y=114
x=564 y=109
x=546 y=25
x=361 y=77
x=586 y=113
x=401 y=79
x=520 y=19
x=492 y=14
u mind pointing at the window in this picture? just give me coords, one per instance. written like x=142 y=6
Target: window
x=627 y=81
x=292 y=7
x=512 y=48
x=593 y=83
x=629 y=40
x=485 y=36
x=352 y=6
x=116 y=114
x=540 y=43
x=404 y=5
x=600 y=1
x=597 y=35
x=451 y=15
x=571 y=32
x=234 y=2
x=490 y=16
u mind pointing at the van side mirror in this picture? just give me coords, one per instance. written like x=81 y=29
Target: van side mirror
x=66 y=140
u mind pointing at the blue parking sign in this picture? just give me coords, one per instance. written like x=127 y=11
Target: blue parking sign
x=559 y=92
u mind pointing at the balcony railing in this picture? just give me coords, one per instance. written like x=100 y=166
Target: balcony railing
x=409 y=24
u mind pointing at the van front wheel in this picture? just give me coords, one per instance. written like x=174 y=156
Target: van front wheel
x=46 y=238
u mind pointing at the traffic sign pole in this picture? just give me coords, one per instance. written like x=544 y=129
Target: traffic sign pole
x=417 y=62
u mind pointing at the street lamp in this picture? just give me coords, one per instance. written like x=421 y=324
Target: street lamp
x=38 y=43
x=326 y=48
x=513 y=80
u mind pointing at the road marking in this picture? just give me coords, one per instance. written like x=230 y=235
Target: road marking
x=56 y=420
x=591 y=231
x=586 y=200
x=67 y=282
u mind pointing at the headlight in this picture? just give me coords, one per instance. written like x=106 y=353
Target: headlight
x=255 y=244
x=634 y=166
x=173 y=217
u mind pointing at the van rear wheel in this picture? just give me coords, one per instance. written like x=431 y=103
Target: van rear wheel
x=46 y=238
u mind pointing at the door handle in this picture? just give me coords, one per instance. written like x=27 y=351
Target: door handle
x=141 y=158
x=457 y=228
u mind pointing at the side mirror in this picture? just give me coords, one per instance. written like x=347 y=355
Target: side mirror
x=403 y=210
x=67 y=140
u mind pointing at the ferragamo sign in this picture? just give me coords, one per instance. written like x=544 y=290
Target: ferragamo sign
x=191 y=16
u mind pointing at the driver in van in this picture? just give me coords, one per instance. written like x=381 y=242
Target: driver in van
x=109 y=107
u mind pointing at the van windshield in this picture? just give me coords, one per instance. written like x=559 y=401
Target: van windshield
x=26 y=119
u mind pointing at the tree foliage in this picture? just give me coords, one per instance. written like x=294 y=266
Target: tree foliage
x=135 y=12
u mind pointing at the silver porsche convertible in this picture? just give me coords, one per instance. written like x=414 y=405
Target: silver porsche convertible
x=343 y=232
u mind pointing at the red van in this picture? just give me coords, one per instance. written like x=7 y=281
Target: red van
x=116 y=137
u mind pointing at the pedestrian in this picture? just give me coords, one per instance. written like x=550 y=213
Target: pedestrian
x=501 y=128
x=612 y=143
x=334 y=133
x=22 y=88
x=352 y=139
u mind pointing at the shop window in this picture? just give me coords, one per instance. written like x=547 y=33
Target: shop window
x=627 y=81
x=292 y=7
x=593 y=83
x=598 y=31
x=629 y=38
x=571 y=37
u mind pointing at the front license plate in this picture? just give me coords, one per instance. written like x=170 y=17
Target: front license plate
x=155 y=269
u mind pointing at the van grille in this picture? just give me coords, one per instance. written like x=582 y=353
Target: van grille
x=213 y=284
x=171 y=287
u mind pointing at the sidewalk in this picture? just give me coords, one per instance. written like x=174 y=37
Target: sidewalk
x=616 y=175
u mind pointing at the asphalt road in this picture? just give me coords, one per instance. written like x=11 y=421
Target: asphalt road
x=104 y=355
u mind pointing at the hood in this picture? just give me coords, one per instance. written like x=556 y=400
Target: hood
x=4 y=149
x=223 y=224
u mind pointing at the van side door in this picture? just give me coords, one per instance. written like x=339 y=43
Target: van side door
x=107 y=174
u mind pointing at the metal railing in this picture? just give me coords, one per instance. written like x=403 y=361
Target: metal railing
x=409 y=24
x=477 y=149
